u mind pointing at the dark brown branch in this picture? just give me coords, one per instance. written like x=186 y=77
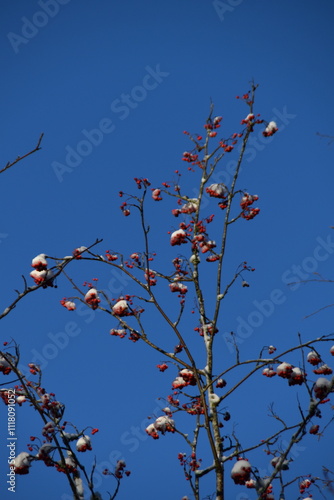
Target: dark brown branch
x=60 y=267
x=19 y=158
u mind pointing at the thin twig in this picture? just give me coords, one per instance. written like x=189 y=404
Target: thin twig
x=19 y=158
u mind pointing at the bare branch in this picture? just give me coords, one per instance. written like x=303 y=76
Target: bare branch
x=19 y=158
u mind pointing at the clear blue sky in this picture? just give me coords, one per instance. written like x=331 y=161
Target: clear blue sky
x=66 y=73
